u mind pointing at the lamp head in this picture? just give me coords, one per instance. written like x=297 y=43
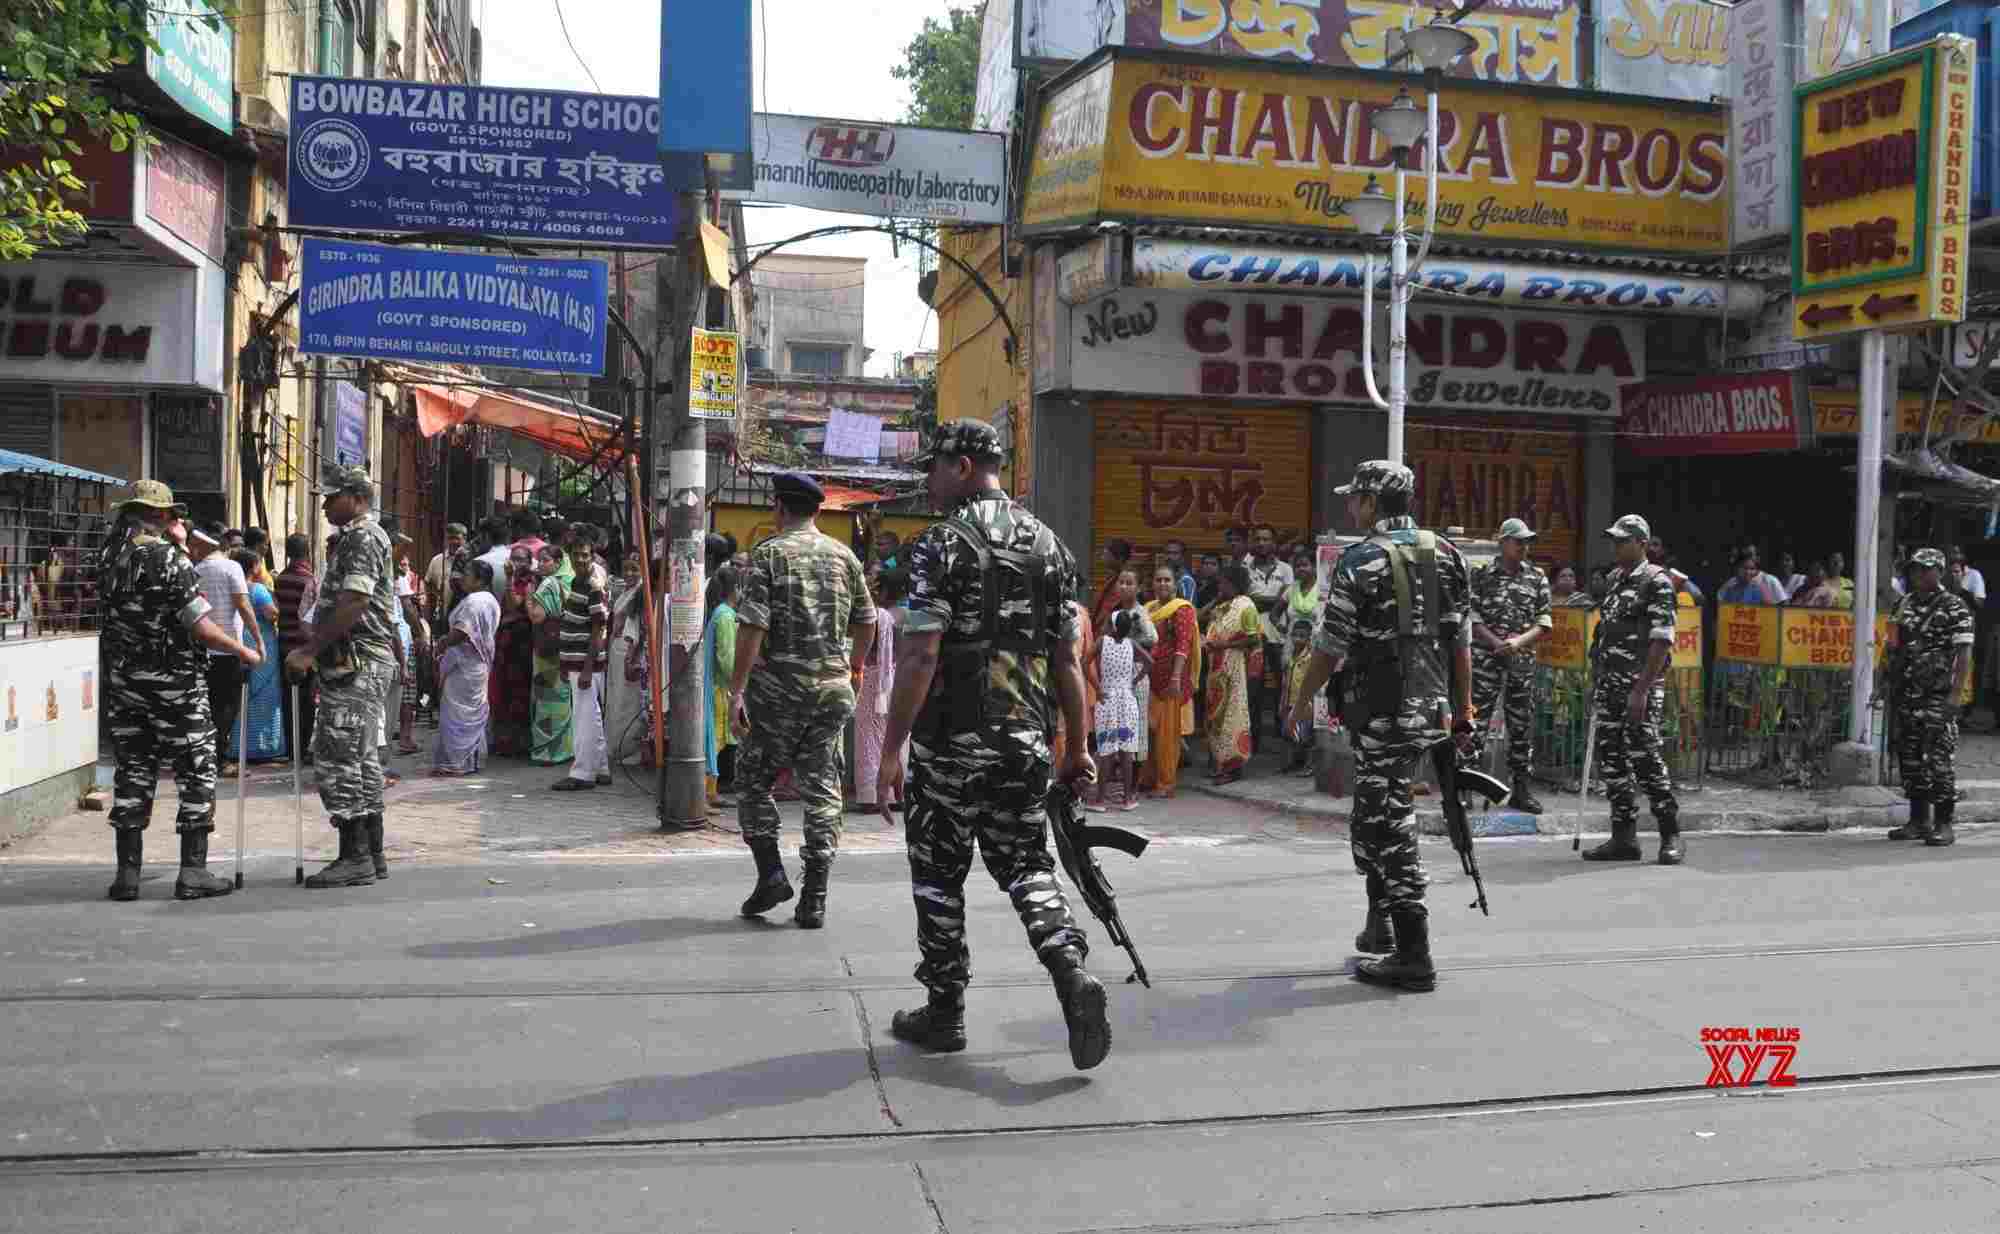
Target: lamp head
x=1438 y=46
x=1371 y=209
x=1400 y=123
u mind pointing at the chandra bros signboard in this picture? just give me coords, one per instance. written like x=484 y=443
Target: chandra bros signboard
x=1884 y=183
x=1754 y=413
x=891 y=170
x=463 y=308
x=1309 y=349
x=1240 y=146
x=530 y=164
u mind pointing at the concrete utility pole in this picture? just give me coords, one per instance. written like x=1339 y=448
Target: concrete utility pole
x=683 y=802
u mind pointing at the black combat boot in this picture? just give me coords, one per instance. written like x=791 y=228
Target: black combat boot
x=131 y=844
x=938 y=1026
x=1521 y=798
x=1377 y=936
x=1919 y=826
x=353 y=867
x=1082 y=997
x=773 y=888
x=1622 y=846
x=195 y=882
x=811 y=912
x=375 y=845
x=1410 y=968
x=1941 y=836
x=1672 y=850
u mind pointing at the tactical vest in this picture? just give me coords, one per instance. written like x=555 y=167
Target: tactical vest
x=1014 y=617
x=1411 y=665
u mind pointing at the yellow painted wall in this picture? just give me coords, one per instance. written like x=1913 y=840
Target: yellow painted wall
x=975 y=378
x=752 y=524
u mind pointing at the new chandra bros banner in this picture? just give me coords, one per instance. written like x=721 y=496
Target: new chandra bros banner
x=463 y=308
x=528 y=164
x=1283 y=347
x=1130 y=137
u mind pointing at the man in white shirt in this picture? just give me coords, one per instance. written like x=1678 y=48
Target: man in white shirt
x=1270 y=578
x=499 y=549
x=228 y=596
x=437 y=576
x=1972 y=583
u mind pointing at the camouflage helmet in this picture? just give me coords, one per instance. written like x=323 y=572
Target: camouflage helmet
x=1630 y=527
x=1380 y=476
x=1515 y=529
x=1927 y=559
x=344 y=478
x=963 y=438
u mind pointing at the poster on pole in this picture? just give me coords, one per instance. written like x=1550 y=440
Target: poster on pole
x=350 y=424
x=685 y=606
x=712 y=376
x=386 y=303
x=404 y=156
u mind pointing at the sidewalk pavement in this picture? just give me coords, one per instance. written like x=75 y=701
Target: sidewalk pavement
x=1716 y=805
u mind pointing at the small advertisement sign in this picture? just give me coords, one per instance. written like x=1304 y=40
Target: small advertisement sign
x=194 y=60
x=1747 y=633
x=350 y=423
x=889 y=170
x=712 y=380
x=385 y=303
x=1752 y=413
x=532 y=164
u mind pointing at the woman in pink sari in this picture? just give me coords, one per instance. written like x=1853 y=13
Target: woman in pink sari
x=878 y=679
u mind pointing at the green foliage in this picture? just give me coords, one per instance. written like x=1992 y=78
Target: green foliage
x=942 y=68
x=55 y=58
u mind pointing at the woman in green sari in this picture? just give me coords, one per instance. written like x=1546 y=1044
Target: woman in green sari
x=550 y=735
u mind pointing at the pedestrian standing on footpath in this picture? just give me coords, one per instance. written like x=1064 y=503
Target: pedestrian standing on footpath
x=1510 y=611
x=355 y=649
x=1270 y=580
x=990 y=606
x=1398 y=607
x=806 y=611
x=297 y=591
x=1629 y=657
x=1933 y=653
x=585 y=637
x=437 y=575
x=156 y=624
x=228 y=596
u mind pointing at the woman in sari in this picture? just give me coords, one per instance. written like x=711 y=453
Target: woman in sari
x=1233 y=634
x=1176 y=660
x=266 y=715
x=1302 y=597
x=465 y=666
x=552 y=735
x=511 y=684
x=878 y=680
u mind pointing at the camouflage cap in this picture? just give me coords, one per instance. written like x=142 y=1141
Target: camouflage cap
x=1927 y=559
x=1628 y=527
x=1380 y=476
x=1515 y=529
x=156 y=496
x=963 y=438
x=454 y=529
x=344 y=478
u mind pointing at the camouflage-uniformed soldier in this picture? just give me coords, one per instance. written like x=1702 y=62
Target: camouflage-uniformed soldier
x=986 y=654
x=1934 y=637
x=804 y=605
x=1629 y=657
x=355 y=650
x=155 y=626
x=1510 y=610
x=1397 y=615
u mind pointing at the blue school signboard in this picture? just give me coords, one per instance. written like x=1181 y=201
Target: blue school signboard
x=396 y=156
x=384 y=303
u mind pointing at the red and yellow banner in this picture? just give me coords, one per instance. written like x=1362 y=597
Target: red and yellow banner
x=1567 y=645
x=1746 y=633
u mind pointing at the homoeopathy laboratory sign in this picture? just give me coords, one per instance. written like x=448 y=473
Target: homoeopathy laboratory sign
x=383 y=303
x=402 y=156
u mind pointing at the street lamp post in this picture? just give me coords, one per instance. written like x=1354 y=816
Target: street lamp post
x=1435 y=47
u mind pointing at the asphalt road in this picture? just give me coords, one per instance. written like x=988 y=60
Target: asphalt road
x=540 y=1044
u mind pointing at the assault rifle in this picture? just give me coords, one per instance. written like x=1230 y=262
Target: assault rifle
x=1454 y=782
x=1074 y=841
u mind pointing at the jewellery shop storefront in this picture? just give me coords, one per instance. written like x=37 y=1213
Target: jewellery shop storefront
x=1214 y=403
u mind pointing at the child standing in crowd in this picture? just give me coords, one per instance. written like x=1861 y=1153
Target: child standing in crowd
x=1117 y=709
x=1298 y=729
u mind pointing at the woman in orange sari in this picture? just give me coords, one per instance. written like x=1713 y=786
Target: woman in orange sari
x=1176 y=667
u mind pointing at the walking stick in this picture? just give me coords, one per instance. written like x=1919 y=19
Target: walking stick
x=298 y=799
x=242 y=773
x=1583 y=788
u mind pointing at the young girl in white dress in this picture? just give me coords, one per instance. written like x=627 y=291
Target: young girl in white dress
x=1118 y=718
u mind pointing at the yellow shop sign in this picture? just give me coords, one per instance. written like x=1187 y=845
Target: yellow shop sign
x=1249 y=145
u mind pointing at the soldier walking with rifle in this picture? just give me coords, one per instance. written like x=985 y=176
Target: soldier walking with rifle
x=1629 y=657
x=1397 y=615
x=1933 y=651
x=988 y=651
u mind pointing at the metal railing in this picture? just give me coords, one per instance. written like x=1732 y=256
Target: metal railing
x=52 y=529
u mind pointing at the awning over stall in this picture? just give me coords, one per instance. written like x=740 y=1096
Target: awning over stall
x=571 y=429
